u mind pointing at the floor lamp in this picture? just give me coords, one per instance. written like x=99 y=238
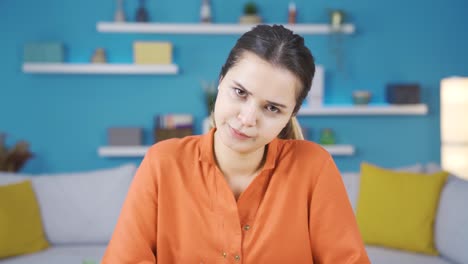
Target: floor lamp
x=454 y=125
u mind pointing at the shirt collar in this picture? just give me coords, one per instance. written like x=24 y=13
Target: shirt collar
x=207 y=151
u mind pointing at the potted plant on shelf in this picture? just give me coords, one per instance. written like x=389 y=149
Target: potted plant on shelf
x=250 y=14
x=14 y=158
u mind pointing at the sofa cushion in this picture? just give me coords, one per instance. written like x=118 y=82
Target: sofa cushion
x=62 y=254
x=451 y=231
x=380 y=255
x=351 y=181
x=21 y=228
x=397 y=209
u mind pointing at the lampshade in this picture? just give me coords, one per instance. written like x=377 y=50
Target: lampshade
x=454 y=125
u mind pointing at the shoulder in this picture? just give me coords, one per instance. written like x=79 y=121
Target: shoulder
x=175 y=147
x=303 y=151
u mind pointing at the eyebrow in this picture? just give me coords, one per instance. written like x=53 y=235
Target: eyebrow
x=250 y=93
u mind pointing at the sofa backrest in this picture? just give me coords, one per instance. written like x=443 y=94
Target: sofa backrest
x=80 y=207
x=451 y=224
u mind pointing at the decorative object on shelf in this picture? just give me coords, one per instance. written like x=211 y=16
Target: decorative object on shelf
x=141 y=13
x=14 y=158
x=315 y=95
x=125 y=136
x=99 y=56
x=402 y=93
x=43 y=52
x=337 y=18
x=250 y=14
x=205 y=12
x=361 y=97
x=454 y=131
x=327 y=137
x=292 y=13
x=152 y=52
x=119 y=15
x=172 y=126
x=209 y=93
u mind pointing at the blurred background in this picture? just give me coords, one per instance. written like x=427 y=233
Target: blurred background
x=65 y=117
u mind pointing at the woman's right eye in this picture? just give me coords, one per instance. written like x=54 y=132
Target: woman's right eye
x=240 y=92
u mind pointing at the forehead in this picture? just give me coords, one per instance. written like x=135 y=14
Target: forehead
x=265 y=79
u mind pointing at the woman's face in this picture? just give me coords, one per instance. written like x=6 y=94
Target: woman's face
x=255 y=102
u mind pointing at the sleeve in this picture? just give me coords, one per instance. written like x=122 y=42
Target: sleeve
x=134 y=237
x=334 y=233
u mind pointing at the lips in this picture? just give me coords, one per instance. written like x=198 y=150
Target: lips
x=237 y=134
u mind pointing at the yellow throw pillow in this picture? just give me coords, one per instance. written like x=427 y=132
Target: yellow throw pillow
x=21 y=229
x=397 y=209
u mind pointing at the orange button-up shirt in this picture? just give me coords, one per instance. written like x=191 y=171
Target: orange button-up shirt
x=180 y=209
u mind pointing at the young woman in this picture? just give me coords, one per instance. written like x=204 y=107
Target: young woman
x=249 y=191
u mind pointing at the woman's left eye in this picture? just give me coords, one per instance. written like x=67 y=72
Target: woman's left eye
x=272 y=108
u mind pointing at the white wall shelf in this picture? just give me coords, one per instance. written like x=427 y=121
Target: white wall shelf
x=340 y=150
x=106 y=68
x=122 y=151
x=416 y=109
x=139 y=151
x=220 y=29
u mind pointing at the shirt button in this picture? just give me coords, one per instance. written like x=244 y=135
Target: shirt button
x=224 y=254
x=246 y=227
x=237 y=257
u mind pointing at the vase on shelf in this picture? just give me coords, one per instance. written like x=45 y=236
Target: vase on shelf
x=205 y=12
x=99 y=56
x=142 y=13
x=119 y=15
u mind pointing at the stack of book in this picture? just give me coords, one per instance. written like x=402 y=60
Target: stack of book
x=172 y=126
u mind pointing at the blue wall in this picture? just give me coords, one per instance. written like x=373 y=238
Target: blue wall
x=65 y=117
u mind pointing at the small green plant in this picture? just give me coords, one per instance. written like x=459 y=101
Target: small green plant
x=250 y=8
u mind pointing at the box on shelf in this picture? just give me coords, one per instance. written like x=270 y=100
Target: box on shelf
x=52 y=52
x=402 y=94
x=152 y=52
x=315 y=96
x=125 y=136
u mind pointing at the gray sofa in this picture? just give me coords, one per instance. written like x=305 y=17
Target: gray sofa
x=79 y=212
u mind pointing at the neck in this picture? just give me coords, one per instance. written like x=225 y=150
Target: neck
x=233 y=163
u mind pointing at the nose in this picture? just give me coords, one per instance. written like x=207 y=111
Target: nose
x=248 y=115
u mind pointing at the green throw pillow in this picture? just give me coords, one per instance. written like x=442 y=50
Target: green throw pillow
x=21 y=229
x=397 y=209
